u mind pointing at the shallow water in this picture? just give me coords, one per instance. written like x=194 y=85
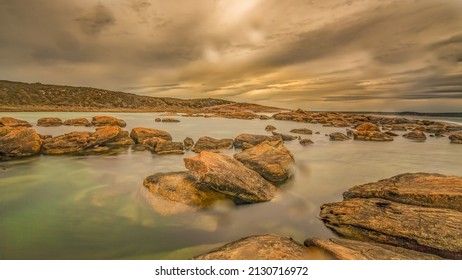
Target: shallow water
x=95 y=207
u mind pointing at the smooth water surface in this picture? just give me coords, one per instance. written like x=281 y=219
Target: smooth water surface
x=95 y=207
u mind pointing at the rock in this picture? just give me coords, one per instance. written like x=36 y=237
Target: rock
x=43 y=137
x=49 y=122
x=317 y=132
x=349 y=132
x=139 y=134
x=264 y=117
x=86 y=142
x=8 y=121
x=107 y=120
x=270 y=128
x=229 y=176
x=338 y=136
x=370 y=132
x=188 y=143
x=415 y=135
x=302 y=131
x=367 y=126
x=206 y=143
x=344 y=249
x=420 y=189
x=284 y=137
x=259 y=247
x=181 y=187
x=158 y=120
x=77 y=122
x=254 y=139
x=429 y=230
x=306 y=142
x=456 y=138
x=170 y=120
x=392 y=134
x=18 y=142
x=162 y=146
x=272 y=163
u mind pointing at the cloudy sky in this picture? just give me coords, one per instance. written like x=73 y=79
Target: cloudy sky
x=317 y=55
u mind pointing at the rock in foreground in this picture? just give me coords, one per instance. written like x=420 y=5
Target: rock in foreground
x=18 y=142
x=8 y=121
x=254 y=139
x=274 y=163
x=206 y=143
x=456 y=138
x=260 y=247
x=229 y=176
x=344 y=249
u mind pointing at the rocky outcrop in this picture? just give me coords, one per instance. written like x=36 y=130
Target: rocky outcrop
x=284 y=137
x=170 y=120
x=270 y=128
x=18 y=142
x=162 y=146
x=87 y=142
x=49 y=121
x=188 y=143
x=107 y=120
x=77 y=122
x=302 y=131
x=229 y=176
x=12 y=122
x=415 y=135
x=206 y=143
x=416 y=211
x=370 y=132
x=338 y=136
x=344 y=249
x=254 y=139
x=182 y=189
x=306 y=142
x=456 y=138
x=139 y=134
x=274 y=163
x=259 y=247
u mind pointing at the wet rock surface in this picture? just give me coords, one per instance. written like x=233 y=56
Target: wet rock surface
x=139 y=134
x=188 y=143
x=370 y=132
x=206 y=143
x=301 y=131
x=77 y=122
x=13 y=122
x=285 y=137
x=416 y=135
x=338 y=136
x=250 y=140
x=306 y=142
x=107 y=120
x=49 y=121
x=18 y=142
x=456 y=138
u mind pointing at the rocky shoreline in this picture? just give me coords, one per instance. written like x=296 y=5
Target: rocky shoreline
x=410 y=216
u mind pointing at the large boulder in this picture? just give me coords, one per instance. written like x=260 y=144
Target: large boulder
x=260 y=247
x=206 y=143
x=182 y=189
x=107 y=120
x=415 y=135
x=272 y=163
x=302 y=131
x=112 y=136
x=162 y=146
x=344 y=249
x=370 y=132
x=49 y=121
x=456 y=138
x=229 y=176
x=254 y=139
x=139 y=134
x=77 y=122
x=367 y=126
x=12 y=122
x=18 y=142
x=338 y=136
x=416 y=211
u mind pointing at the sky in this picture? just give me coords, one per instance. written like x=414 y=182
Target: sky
x=343 y=55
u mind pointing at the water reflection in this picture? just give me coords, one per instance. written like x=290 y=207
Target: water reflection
x=95 y=207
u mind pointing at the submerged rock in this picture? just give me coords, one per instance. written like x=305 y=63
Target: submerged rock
x=254 y=139
x=456 y=138
x=181 y=187
x=259 y=247
x=77 y=122
x=139 y=134
x=188 y=143
x=206 y=143
x=270 y=128
x=274 y=163
x=284 y=137
x=18 y=142
x=302 y=131
x=338 y=136
x=170 y=120
x=416 y=135
x=12 y=122
x=50 y=121
x=306 y=142
x=107 y=120
x=344 y=249
x=229 y=176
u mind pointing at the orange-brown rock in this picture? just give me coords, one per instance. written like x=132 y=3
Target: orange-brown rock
x=254 y=139
x=456 y=138
x=206 y=143
x=229 y=176
x=77 y=122
x=162 y=146
x=18 y=142
x=8 y=121
x=107 y=120
x=49 y=121
x=415 y=135
x=139 y=134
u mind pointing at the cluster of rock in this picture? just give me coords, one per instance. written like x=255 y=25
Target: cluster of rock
x=249 y=176
x=410 y=216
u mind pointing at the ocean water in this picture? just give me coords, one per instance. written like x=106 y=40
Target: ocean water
x=95 y=207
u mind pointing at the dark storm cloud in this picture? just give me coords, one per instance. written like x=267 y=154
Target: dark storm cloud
x=327 y=54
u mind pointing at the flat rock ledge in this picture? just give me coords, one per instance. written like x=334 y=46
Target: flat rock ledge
x=418 y=211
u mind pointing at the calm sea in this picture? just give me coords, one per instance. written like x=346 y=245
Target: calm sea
x=95 y=207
